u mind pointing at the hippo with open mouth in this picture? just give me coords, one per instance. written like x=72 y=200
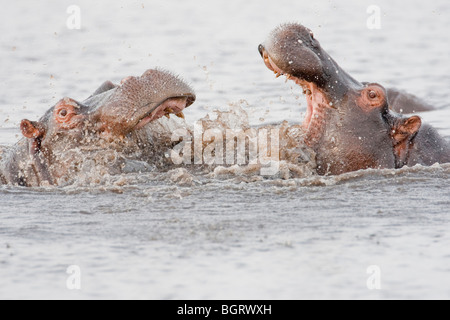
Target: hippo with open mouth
x=113 y=118
x=350 y=124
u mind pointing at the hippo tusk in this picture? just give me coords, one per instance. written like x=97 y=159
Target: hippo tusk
x=168 y=112
x=180 y=115
x=289 y=77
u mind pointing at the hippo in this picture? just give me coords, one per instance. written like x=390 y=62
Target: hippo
x=114 y=118
x=351 y=125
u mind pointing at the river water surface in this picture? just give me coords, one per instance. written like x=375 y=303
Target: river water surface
x=375 y=234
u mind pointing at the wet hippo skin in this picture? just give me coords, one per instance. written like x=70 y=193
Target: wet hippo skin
x=351 y=125
x=109 y=119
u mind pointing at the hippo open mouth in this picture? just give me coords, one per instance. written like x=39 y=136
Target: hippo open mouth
x=138 y=101
x=72 y=133
x=170 y=106
x=342 y=113
x=349 y=124
x=318 y=101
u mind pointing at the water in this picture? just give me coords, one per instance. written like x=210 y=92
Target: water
x=185 y=234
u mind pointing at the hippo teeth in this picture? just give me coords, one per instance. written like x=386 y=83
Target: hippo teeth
x=180 y=115
x=168 y=107
x=170 y=111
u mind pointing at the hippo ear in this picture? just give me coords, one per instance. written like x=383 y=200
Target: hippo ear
x=406 y=129
x=31 y=129
x=403 y=133
x=106 y=86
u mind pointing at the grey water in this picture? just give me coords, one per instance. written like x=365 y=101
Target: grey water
x=183 y=235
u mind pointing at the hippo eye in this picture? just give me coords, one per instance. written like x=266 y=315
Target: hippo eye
x=372 y=94
x=373 y=97
x=63 y=113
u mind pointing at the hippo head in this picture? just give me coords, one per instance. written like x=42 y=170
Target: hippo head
x=347 y=123
x=111 y=116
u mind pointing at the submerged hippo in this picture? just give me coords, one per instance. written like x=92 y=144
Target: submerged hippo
x=113 y=119
x=350 y=124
